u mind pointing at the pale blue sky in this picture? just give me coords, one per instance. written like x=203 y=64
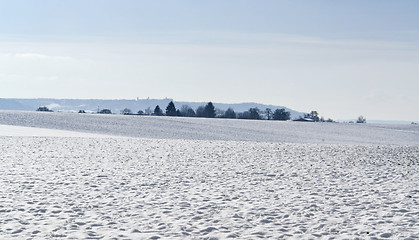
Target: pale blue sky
x=341 y=58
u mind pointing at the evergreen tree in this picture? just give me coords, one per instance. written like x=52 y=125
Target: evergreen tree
x=158 y=111
x=209 y=110
x=171 y=109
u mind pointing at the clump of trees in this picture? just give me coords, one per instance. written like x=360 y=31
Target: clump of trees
x=252 y=113
x=126 y=111
x=105 y=111
x=313 y=115
x=209 y=111
x=187 y=111
x=44 y=109
x=281 y=115
x=230 y=113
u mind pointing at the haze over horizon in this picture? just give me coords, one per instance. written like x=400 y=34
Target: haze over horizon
x=343 y=59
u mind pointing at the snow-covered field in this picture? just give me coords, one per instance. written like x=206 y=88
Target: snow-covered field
x=132 y=177
x=217 y=129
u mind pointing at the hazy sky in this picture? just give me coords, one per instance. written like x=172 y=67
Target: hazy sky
x=341 y=58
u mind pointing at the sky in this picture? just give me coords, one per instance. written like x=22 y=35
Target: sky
x=341 y=58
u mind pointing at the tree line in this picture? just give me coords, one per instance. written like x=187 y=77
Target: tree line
x=209 y=111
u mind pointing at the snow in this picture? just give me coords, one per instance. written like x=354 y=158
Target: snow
x=225 y=182
x=217 y=129
x=9 y=130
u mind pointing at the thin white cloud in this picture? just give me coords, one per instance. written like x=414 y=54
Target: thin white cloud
x=264 y=39
x=36 y=56
x=30 y=56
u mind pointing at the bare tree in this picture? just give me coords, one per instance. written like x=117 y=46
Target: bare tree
x=148 y=111
x=187 y=111
x=268 y=112
x=230 y=113
x=200 y=111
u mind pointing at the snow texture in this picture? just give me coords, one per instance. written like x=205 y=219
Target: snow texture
x=173 y=184
x=217 y=129
x=8 y=130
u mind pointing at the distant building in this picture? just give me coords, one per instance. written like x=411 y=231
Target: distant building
x=303 y=120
